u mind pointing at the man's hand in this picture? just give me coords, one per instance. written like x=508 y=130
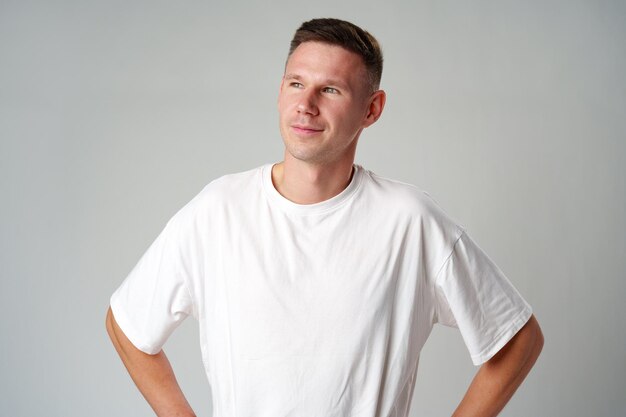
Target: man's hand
x=152 y=374
x=499 y=377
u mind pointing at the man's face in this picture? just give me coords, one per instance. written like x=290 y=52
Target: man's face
x=323 y=103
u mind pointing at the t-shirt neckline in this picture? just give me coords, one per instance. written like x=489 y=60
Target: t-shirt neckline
x=316 y=208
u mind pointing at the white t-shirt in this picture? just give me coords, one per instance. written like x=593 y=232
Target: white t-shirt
x=320 y=309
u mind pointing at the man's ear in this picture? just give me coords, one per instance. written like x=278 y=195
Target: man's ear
x=375 y=108
x=280 y=89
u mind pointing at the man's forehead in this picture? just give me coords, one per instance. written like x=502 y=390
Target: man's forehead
x=336 y=62
x=312 y=47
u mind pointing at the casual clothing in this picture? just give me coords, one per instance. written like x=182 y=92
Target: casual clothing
x=320 y=309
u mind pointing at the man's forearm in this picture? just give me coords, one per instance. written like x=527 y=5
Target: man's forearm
x=498 y=379
x=152 y=374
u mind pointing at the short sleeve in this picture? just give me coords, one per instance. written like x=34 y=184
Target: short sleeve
x=154 y=299
x=474 y=295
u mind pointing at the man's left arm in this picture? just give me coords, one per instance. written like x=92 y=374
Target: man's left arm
x=497 y=379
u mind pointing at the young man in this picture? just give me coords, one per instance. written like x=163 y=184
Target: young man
x=316 y=282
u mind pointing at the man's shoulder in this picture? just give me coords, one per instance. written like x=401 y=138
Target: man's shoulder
x=228 y=190
x=405 y=200
x=232 y=183
x=401 y=194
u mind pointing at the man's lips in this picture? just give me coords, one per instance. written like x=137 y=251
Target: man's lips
x=306 y=129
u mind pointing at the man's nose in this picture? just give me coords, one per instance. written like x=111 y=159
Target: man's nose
x=308 y=102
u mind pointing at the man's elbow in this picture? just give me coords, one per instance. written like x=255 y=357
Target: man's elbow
x=538 y=339
x=108 y=322
x=530 y=341
x=112 y=328
x=524 y=348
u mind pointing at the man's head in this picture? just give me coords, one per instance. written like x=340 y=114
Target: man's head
x=328 y=94
x=348 y=36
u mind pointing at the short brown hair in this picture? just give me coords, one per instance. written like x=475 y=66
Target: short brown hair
x=348 y=36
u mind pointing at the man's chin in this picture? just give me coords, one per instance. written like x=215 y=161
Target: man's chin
x=307 y=156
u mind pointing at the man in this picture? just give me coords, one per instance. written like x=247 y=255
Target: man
x=316 y=282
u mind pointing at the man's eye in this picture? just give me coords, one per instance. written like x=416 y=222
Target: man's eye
x=295 y=84
x=331 y=90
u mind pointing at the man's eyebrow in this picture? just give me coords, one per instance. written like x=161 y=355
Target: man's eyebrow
x=330 y=81
x=291 y=76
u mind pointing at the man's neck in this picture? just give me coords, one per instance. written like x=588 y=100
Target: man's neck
x=305 y=183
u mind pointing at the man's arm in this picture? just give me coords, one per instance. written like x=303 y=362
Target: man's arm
x=152 y=374
x=499 y=377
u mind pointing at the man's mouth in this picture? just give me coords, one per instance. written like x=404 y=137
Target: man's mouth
x=306 y=129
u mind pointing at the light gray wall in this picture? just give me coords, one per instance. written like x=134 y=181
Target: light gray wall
x=115 y=114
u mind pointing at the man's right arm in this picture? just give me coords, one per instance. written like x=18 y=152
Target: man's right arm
x=152 y=374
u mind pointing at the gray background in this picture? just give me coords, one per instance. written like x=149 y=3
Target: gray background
x=115 y=114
